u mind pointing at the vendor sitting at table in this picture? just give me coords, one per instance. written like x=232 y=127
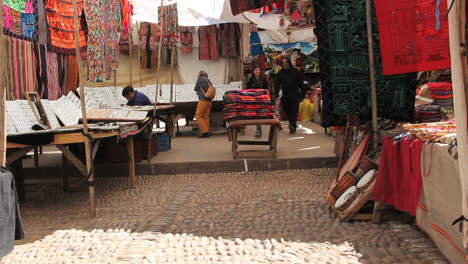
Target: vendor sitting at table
x=135 y=98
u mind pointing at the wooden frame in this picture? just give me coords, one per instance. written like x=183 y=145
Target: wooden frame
x=34 y=101
x=61 y=141
x=272 y=142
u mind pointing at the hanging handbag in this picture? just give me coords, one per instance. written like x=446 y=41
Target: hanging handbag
x=210 y=92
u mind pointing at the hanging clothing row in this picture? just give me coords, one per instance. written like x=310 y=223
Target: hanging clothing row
x=31 y=67
x=51 y=23
x=216 y=43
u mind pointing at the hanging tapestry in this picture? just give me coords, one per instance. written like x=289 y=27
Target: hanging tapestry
x=344 y=67
x=61 y=26
x=20 y=68
x=103 y=18
x=300 y=13
x=274 y=53
x=20 y=19
x=229 y=36
x=414 y=35
x=303 y=55
x=240 y=6
x=186 y=39
x=209 y=48
x=168 y=16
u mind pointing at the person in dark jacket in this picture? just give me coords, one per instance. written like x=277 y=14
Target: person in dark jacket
x=289 y=80
x=202 y=113
x=135 y=98
x=257 y=81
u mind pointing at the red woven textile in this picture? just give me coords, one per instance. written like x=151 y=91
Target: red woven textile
x=413 y=35
x=399 y=181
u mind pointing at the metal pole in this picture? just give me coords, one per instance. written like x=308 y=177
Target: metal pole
x=372 y=73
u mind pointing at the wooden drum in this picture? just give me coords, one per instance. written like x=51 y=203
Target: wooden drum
x=343 y=184
x=366 y=181
x=347 y=198
x=367 y=165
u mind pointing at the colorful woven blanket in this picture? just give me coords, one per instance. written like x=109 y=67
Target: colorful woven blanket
x=61 y=26
x=20 y=19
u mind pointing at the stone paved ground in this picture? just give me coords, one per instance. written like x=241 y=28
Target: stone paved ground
x=282 y=205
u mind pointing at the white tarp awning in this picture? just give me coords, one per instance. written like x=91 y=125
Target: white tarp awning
x=203 y=13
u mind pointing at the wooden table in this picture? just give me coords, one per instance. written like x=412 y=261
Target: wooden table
x=233 y=129
x=61 y=139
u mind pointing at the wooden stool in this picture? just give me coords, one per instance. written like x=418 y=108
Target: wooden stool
x=233 y=130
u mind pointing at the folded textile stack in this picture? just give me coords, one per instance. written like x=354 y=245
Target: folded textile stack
x=442 y=93
x=429 y=113
x=430 y=132
x=248 y=104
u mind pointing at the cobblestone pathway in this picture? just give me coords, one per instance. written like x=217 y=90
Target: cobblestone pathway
x=251 y=212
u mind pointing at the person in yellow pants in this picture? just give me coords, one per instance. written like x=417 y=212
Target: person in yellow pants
x=203 y=111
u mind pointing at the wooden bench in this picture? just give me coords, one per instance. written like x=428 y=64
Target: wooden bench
x=234 y=128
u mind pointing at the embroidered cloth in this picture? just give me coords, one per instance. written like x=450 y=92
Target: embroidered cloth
x=414 y=35
x=61 y=26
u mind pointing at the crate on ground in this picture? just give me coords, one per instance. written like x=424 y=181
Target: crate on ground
x=163 y=141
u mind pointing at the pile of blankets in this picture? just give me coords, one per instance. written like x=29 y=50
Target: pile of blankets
x=248 y=104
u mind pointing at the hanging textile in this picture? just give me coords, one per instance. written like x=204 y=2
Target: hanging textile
x=103 y=18
x=167 y=15
x=41 y=23
x=20 y=68
x=344 y=68
x=20 y=19
x=53 y=89
x=149 y=33
x=414 y=35
x=255 y=44
x=240 y=6
x=10 y=91
x=229 y=35
x=208 y=36
x=186 y=39
x=399 y=181
x=127 y=11
x=40 y=54
x=61 y=26
x=71 y=74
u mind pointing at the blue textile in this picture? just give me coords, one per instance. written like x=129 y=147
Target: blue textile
x=255 y=44
x=139 y=100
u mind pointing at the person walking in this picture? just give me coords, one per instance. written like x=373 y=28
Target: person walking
x=202 y=113
x=257 y=81
x=289 y=81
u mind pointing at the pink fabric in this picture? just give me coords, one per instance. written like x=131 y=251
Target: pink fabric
x=52 y=76
x=399 y=181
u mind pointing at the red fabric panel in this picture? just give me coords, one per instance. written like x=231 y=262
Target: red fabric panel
x=399 y=181
x=410 y=40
